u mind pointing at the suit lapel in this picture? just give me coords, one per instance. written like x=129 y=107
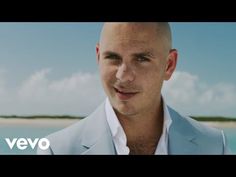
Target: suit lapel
x=97 y=137
x=103 y=146
x=180 y=143
x=182 y=138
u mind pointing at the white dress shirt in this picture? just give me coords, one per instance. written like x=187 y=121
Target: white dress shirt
x=120 y=139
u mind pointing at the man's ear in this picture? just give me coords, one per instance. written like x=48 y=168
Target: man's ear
x=171 y=63
x=97 y=52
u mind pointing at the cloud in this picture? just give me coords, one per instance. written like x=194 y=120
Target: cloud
x=80 y=94
x=34 y=89
x=187 y=93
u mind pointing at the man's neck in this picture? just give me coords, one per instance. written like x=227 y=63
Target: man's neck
x=143 y=131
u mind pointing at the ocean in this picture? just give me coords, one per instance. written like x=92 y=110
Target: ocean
x=231 y=138
x=41 y=131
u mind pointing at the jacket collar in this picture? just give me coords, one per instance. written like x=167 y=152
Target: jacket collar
x=97 y=137
x=182 y=136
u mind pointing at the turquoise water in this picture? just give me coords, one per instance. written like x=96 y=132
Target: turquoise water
x=40 y=132
x=231 y=136
x=22 y=132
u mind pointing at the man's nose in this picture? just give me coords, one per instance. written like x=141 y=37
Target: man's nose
x=125 y=73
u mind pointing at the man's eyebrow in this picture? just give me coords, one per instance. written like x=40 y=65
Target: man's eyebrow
x=110 y=53
x=137 y=55
x=143 y=54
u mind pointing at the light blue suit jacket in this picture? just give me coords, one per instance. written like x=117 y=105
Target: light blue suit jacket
x=92 y=136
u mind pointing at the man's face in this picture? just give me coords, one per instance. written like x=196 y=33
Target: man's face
x=133 y=62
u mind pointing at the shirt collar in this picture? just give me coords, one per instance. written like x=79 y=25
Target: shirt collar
x=117 y=131
x=112 y=118
x=162 y=146
x=167 y=118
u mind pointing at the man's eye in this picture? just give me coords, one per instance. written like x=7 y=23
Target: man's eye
x=143 y=59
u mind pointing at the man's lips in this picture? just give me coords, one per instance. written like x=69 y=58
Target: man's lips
x=124 y=94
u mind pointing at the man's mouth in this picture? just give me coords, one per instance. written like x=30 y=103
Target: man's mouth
x=124 y=94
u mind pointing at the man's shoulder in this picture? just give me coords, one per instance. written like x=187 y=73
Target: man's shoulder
x=68 y=132
x=69 y=140
x=197 y=137
x=61 y=141
x=188 y=123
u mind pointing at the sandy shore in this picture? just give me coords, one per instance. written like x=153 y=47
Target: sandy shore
x=37 y=122
x=66 y=122
x=221 y=124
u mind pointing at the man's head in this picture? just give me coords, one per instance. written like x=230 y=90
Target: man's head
x=134 y=59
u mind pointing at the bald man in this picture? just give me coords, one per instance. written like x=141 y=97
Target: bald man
x=134 y=60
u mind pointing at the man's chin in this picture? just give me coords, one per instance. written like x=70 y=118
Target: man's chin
x=125 y=110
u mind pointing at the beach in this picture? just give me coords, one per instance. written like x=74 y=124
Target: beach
x=217 y=124
x=37 y=122
x=65 y=122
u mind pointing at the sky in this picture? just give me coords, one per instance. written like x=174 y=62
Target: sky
x=51 y=69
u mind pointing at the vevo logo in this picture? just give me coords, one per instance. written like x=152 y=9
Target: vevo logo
x=23 y=143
